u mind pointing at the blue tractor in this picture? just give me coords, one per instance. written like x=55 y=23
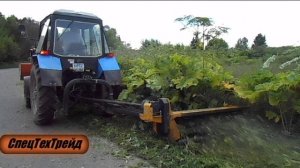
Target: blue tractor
x=71 y=61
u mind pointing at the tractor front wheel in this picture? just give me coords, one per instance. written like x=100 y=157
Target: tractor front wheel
x=43 y=99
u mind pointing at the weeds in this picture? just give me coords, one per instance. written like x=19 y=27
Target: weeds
x=217 y=142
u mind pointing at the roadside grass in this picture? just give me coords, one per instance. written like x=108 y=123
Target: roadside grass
x=210 y=142
x=158 y=151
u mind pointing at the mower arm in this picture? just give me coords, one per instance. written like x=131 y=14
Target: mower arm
x=159 y=113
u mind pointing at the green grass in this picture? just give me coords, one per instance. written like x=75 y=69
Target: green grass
x=156 y=150
x=240 y=69
x=218 y=141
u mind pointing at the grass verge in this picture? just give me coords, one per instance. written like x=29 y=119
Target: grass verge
x=226 y=142
x=158 y=151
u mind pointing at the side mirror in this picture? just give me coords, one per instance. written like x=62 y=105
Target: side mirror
x=22 y=30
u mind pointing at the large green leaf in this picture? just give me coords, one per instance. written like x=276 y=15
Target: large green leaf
x=275 y=98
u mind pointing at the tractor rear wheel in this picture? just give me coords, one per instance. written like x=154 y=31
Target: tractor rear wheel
x=26 y=84
x=43 y=99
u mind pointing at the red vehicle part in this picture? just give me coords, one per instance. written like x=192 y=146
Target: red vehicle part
x=25 y=69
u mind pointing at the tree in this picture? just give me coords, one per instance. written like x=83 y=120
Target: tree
x=114 y=40
x=2 y=20
x=242 y=44
x=12 y=24
x=32 y=28
x=31 y=37
x=259 y=41
x=196 y=43
x=9 y=48
x=150 y=43
x=207 y=32
x=259 y=46
x=217 y=44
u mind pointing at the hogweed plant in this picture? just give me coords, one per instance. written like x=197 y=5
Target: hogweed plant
x=282 y=66
x=268 y=61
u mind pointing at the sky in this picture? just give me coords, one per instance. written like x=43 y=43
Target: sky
x=136 y=21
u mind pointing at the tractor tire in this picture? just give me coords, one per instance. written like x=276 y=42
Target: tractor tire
x=27 y=101
x=43 y=99
x=26 y=84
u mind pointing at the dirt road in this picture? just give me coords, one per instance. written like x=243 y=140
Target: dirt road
x=16 y=119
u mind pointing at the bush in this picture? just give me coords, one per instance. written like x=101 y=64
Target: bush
x=278 y=93
x=189 y=81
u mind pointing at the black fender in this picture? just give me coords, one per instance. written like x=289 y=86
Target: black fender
x=51 y=77
x=113 y=77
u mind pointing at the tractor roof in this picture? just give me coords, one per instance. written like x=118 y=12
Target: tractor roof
x=75 y=14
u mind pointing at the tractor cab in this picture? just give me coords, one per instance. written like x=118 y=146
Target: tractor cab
x=72 y=34
x=73 y=45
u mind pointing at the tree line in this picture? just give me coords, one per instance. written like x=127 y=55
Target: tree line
x=206 y=36
x=12 y=46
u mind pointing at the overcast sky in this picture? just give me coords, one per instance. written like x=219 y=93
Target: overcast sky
x=135 y=21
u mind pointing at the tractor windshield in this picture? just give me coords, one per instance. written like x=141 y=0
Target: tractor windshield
x=76 y=38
